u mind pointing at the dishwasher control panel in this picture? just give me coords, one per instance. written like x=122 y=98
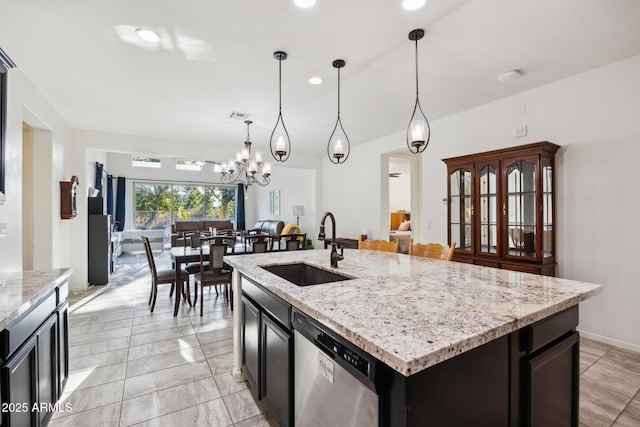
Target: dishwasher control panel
x=342 y=352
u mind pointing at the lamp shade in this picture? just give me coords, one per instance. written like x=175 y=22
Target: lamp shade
x=298 y=210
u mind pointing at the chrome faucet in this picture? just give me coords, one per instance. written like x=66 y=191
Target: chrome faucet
x=334 y=252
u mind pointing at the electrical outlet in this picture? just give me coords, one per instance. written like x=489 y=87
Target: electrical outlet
x=520 y=131
x=3 y=230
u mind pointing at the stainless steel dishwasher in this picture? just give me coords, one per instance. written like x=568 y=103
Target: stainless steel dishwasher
x=335 y=382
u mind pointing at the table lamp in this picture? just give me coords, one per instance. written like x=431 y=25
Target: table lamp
x=298 y=211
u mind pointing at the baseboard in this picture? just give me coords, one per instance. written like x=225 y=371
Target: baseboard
x=611 y=341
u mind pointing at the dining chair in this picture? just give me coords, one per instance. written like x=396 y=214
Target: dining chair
x=260 y=243
x=159 y=277
x=377 y=245
x=218 y=272
x=293 y=241
x=432 y=250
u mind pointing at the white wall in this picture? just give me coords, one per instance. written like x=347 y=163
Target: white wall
x=400 y=193
x=26 y=104
x=595 y=117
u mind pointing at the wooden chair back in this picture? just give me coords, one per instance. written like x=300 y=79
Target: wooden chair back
x=294 y=241
x=432 y=250
x=377 y=245
x=260 y=243
x=150 y=259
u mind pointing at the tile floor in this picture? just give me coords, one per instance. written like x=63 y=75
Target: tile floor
x=130 y=367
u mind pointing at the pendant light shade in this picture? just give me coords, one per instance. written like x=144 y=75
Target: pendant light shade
x=280 y=143
x=338 y=148
x=418 y=131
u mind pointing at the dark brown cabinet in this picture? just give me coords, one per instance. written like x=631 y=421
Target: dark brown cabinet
x=501 y=209
x=267 y=355
x=35 y=363
x=276 y=370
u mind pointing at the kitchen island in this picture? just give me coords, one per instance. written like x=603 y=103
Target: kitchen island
x=474 y=330
x=34 y=322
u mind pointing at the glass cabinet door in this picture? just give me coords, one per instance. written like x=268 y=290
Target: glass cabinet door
x=488 y=204
x=519 y=208
x=547 y=208
x=460 y=208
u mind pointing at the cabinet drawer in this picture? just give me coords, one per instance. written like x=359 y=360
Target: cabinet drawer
x=548 y=330
x=18 y=331
x=521 y=268
x=268 y=302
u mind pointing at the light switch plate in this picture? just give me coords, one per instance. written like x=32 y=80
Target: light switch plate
x=519 y=131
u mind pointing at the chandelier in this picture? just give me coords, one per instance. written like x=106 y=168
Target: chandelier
x=243 y=169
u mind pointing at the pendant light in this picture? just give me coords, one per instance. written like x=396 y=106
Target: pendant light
x=280 y=143
x=338 y=147
x=418 y=132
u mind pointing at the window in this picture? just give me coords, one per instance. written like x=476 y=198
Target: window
x=159 y=204
x=146 y=162
x=189 y=165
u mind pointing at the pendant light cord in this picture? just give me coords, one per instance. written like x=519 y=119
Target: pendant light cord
x=280 y=85
x=338 y=92
x=416 y=68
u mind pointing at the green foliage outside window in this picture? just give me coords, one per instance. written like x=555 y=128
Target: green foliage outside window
x=158 y=205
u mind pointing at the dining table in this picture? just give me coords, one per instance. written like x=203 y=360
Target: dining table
x=186 y=254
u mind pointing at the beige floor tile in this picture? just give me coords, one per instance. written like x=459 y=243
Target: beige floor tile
x=104 y=416
x=96 y=360
x=91 y=398
x=624 y=359
x=99 y=336
x=162 y=361
x=100 y=327
x=165 y=346
x=594 y=347
x=599 y=406
x=586 y=360
x=630 y=417
x=262 y=420
x=149 y=328
x=241 y=406
x=227 y=385
x=90 y=377
x=219 y=347
x=158 y=380
x=623 y=383
x=168 y=400
x=98 y=347
x=211 y=414
x=166 y=334
x=215 y=336
x=221 y=364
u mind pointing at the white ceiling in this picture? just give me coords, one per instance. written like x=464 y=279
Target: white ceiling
x=217 y=56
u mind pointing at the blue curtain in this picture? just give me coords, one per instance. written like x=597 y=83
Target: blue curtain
x=98 y=186
x=240 y=225
x=120 y=203
x=110 y=195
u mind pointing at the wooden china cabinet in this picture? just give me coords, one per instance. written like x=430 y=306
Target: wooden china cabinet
x=501 y=209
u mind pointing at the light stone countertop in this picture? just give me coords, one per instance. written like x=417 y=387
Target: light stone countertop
x=412 y=312
x=21 y=290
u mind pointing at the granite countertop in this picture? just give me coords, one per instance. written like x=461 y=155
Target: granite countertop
x=412 y=312
x=21 y=290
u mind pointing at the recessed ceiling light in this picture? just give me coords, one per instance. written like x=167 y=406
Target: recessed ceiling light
x=315 y=80
x=509 y=75
x=304 y=3
x=413 y=4
x=148 y=35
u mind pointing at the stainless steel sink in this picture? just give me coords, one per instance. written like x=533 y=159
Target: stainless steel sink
x=302 y=274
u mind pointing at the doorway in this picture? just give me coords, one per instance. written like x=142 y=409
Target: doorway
x=400 y=197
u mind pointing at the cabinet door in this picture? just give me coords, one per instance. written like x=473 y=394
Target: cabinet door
x=63 y=347
x=251 y=343
x=548 y=208
x=520 y=207
x=20 y=386
x=552 y=383
x=461 y=208
x=47 y=368
x=276 y=370
x=487 y=217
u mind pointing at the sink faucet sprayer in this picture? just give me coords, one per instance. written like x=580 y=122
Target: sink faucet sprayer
x=334 y=252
